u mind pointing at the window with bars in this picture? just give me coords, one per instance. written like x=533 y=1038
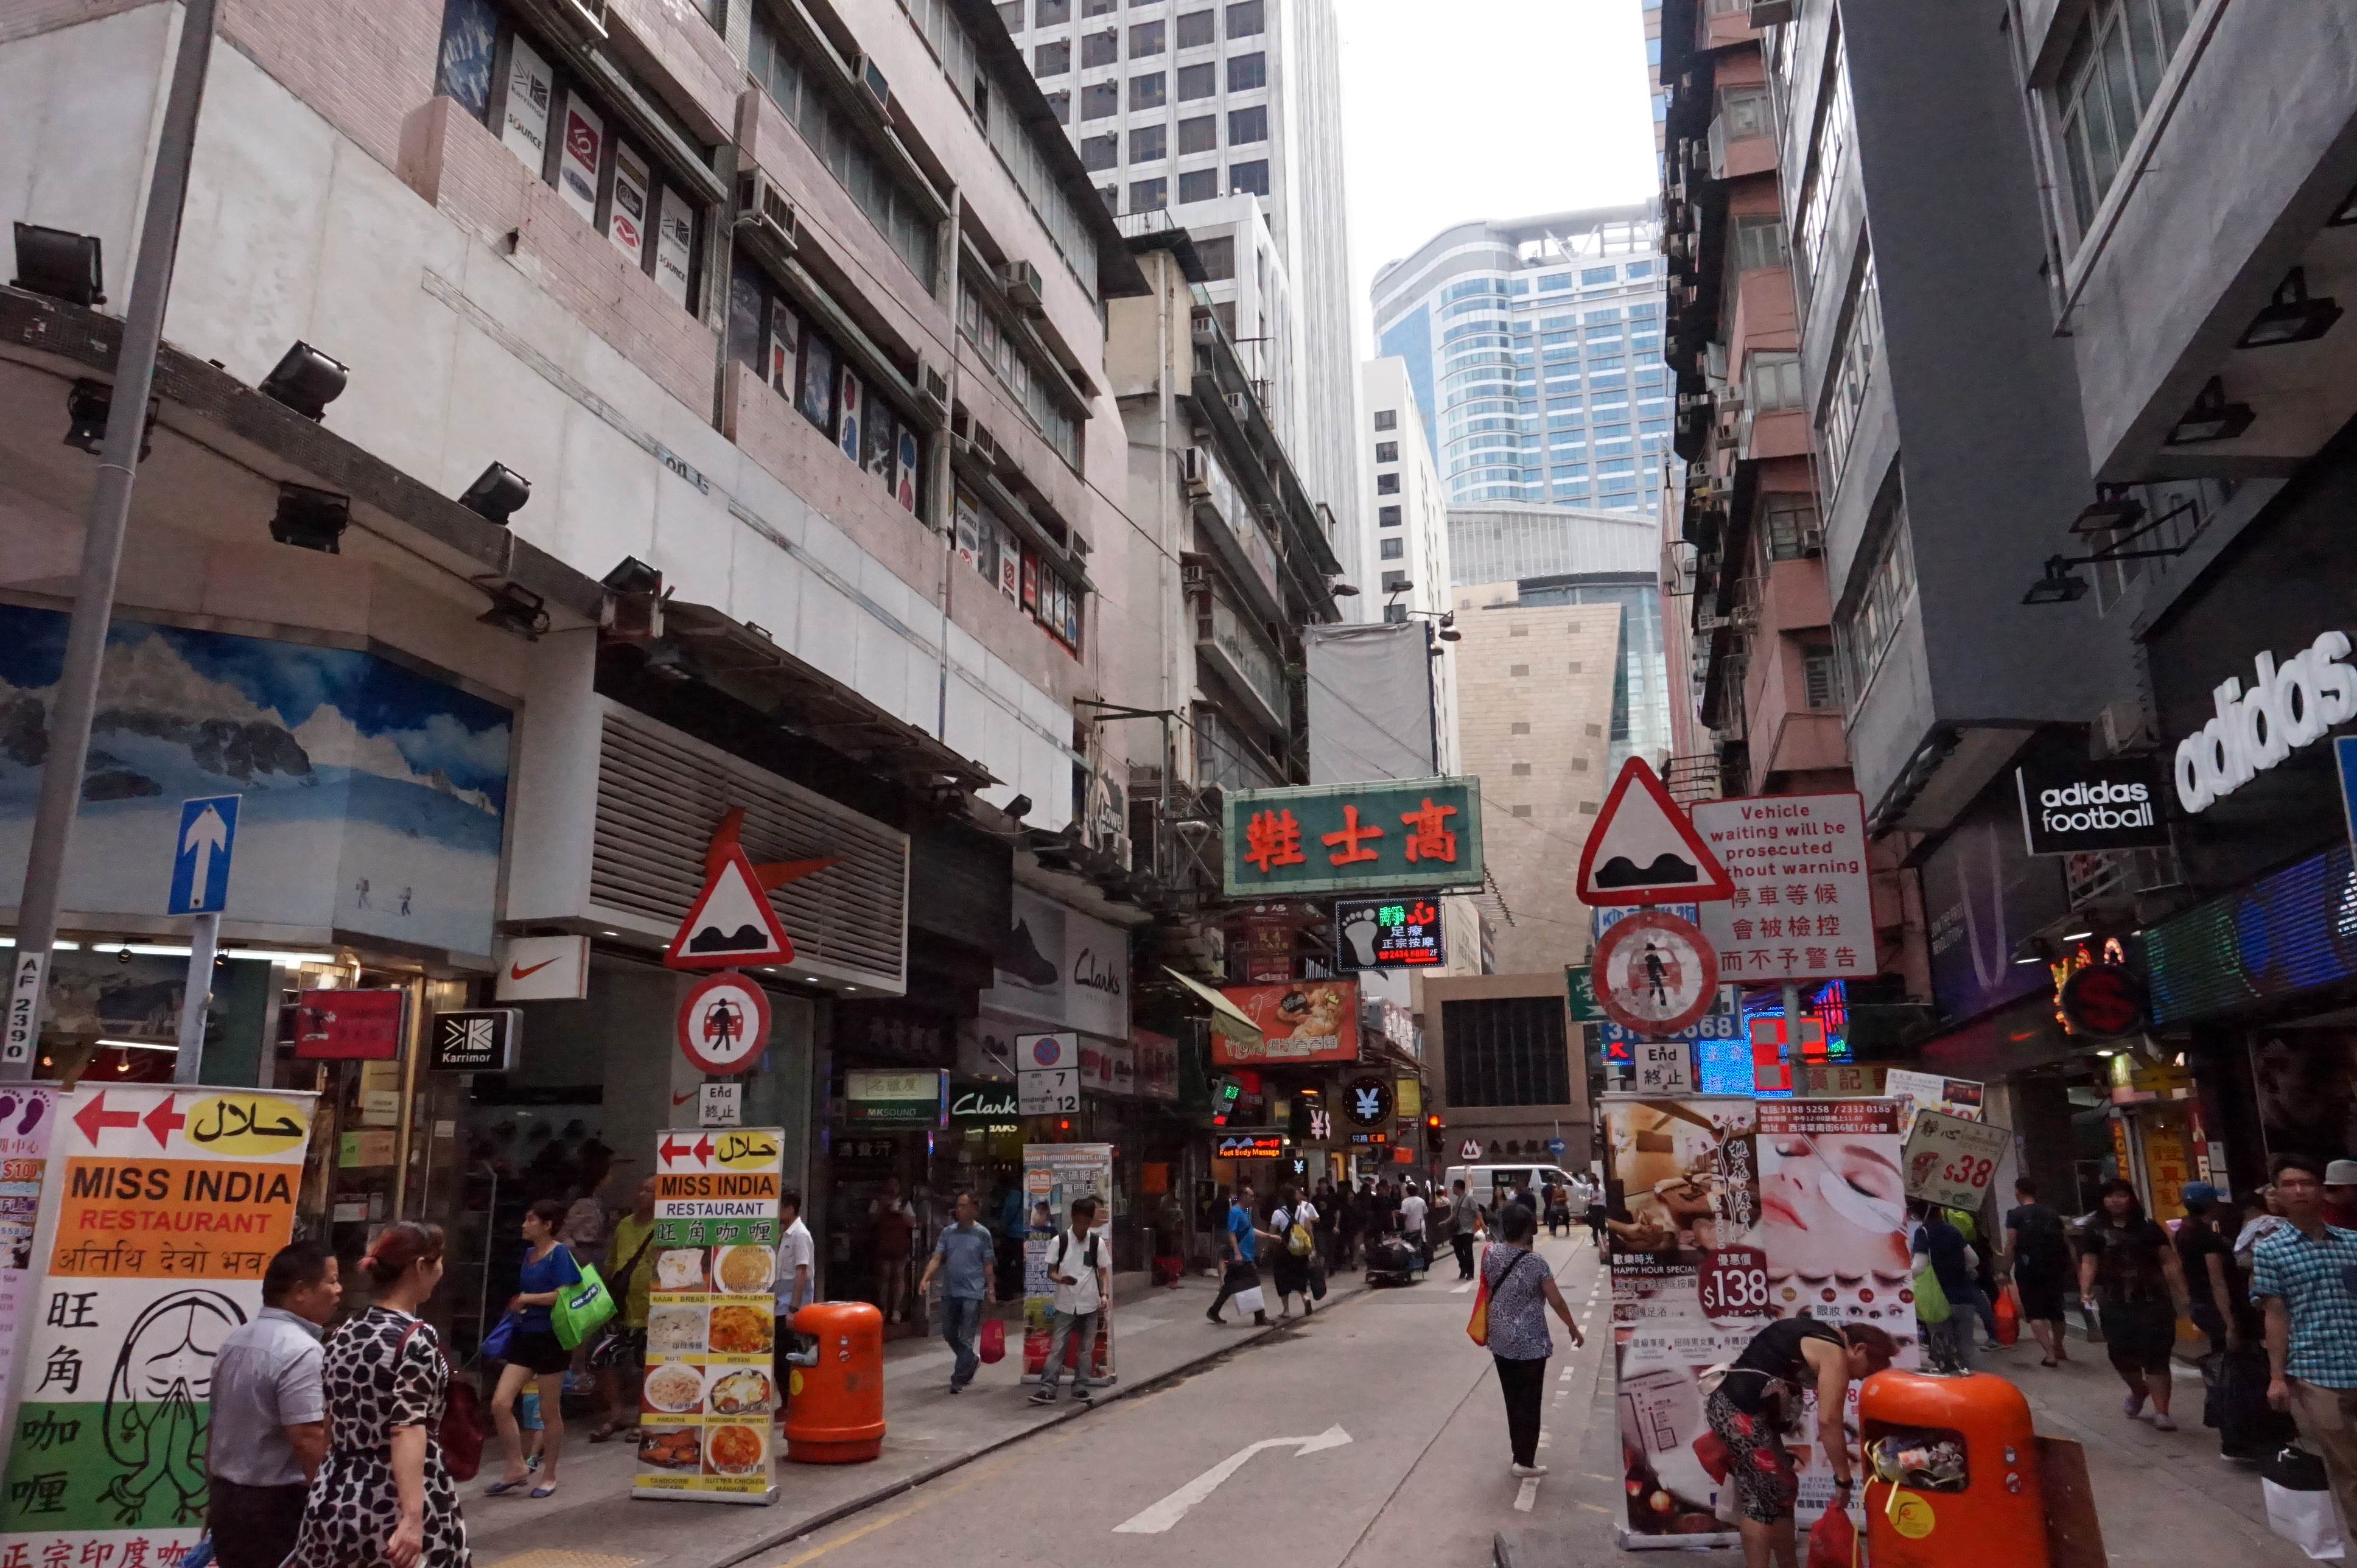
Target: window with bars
x=1773 y=380
x=2110 y=76
x=1506 y=1050
x=1829 y=152
x=1758 y=241
x=1819 y=677
x=1788 y=526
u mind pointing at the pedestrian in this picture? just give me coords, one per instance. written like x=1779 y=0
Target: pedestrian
x=1464 y=1220
x=1949 y=1259
x=534 y=1351
x=1599 y=1213
x=1521 y=1290
x=890 y=1223
x=1239 y=1253
x=620 y=1358
x=1330 y=1226
x=2212 y=1281
x=1357 y=1204
x=2341 y=1195
x=1761 y=1397
x=384 y=1497
x=963 y=1255
x=2300 y=1275
x=2128 y=1274
x=1290 y=1223
x=1413 y=1213
x=2038 y=1254
x=1076 y=1270
x=268 y=1430
x=790 y=1290
x=1558 y=1209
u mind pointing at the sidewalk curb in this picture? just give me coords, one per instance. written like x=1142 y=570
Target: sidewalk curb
x=789 y=1534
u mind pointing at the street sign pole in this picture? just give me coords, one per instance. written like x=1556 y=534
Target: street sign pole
x=204 y=941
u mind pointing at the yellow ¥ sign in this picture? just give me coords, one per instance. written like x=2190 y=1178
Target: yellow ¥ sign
x=245 y=1125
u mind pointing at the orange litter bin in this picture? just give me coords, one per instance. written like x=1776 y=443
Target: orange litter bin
x=835 y=1411
x=1953 y=1474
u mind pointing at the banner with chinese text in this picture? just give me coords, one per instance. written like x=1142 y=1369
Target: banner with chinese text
x=1403 y=835
x=166 y=1205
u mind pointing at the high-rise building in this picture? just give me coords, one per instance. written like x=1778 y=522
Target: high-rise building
x=1535 y=346
x=1226 y=119
x=1651 y=15
x=1399 y=554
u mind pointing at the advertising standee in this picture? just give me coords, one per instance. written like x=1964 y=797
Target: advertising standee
x=1054 y=1175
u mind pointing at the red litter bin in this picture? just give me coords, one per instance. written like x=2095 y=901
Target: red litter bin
x=835 y=1415
x=1953 y=1472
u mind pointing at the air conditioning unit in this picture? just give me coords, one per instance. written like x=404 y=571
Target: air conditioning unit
x=1240 y=405
x=590 y=14
x=1689 y=402
x=1743 y=617
x=932 y=385
x=1195 y=472
x=1812 y=542
x=1770 y=12
x=872 y=81
x=1022 y=281
x=1207 y=326
x=764 y=209
x=1676 y=245
x=2123 y=726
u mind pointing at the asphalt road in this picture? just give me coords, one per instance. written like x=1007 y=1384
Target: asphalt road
x=1371 y=1435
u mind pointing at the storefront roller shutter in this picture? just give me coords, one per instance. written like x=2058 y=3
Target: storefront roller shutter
x=660 y=795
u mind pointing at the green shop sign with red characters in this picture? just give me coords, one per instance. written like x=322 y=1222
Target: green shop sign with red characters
x=1394 y=835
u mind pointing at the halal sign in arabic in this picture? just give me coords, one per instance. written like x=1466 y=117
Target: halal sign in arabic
x=1388 y=933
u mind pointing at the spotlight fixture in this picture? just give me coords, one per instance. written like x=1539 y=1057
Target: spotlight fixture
x=60 y=264
x=1018 y=807
x=87 y=403
x=1450 y=634
x=2060 y=585
x=517 y=611
x=306 y=380
x=311 y=520
x=633 y=576
x=2291 y=317
x=2112 y=510
x=2212 y=418
x=632 y=611
x=665 y=662
x=1343 y=590
x=496 y=493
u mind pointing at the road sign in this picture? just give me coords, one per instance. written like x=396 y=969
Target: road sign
x=1663 y=1067
x=1642 y=849
x=1655 y=973
x=200 y=853
x=1470 y=1150
x=1950 y=1161
x=1556 y=1147
x=1048 y=1091
x=731 y=922
x=543 y=969
x=477 y=1039
x=720 y=1104
x=724 y=1024
x=1035 y=1053
x=1802 y=907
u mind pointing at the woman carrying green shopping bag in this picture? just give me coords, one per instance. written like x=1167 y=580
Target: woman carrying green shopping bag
x=535 y=1350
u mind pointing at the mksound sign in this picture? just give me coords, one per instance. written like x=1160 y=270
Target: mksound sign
x=2077 y=807
x=2284 y=709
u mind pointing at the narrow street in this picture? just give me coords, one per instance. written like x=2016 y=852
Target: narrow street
x=1421 y=1480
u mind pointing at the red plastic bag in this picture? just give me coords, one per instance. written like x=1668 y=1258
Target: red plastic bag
x=1832 y=1540
x=2008 y=1316
x=993 y=1348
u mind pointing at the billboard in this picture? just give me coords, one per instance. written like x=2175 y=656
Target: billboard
x=1300 y=1020
x=1355 y=838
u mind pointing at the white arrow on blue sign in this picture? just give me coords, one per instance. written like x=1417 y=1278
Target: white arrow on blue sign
x=201 y=854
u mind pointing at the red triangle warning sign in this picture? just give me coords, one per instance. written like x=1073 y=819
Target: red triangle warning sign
x=1644 y=849
x=731 y=922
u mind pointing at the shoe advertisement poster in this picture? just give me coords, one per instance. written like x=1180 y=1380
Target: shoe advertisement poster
x=708 y=1407
x=161 y=1208
x=1727 y=1213
x=1054 y=1175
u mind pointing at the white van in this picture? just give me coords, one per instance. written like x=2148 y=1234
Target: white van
x=1492 y=1184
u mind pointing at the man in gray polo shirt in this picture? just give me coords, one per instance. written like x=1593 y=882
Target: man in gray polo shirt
x=269 y=1428
x=962 y=1255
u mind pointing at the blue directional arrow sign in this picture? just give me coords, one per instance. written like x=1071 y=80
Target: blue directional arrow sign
x=201 y=854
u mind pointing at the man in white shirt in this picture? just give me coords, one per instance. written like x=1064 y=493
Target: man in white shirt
x=269 y=1411
x=1411 y=1212
x=791 y=1290
x=1078 y=1269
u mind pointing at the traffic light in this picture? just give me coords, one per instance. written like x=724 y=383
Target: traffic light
x=1435 y=1135
x=1226 y=1093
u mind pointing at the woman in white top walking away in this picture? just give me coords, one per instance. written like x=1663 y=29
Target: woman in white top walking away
x=1293 y=1261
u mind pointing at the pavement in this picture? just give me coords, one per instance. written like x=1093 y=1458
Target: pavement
x=1370 y=1432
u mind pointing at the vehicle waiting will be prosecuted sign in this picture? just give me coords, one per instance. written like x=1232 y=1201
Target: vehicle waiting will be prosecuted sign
x=1802 y=906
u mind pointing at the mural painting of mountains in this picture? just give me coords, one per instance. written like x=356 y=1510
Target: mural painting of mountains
x=1621 y=872
x=748 y=938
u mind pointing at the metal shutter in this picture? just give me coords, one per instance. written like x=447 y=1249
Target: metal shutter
x=660 y=795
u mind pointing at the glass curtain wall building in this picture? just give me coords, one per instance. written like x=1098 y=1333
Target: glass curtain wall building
x=1535 y=350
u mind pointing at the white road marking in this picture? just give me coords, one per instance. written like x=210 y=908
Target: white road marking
x=1460 y=1290
x=1161 y=1516
x=1527 y=1496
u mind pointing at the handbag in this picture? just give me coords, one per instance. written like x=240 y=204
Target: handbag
x=500 y=1339
x=993 y=1348
x=2007 y=1312
x=1316 y=1277
x=581 y=1309
x=461 y=1434
x=1931 y=1301
x=2300 y=1508
x=1477 y=1327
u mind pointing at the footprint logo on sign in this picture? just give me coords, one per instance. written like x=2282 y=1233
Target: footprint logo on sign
x=1360 y=929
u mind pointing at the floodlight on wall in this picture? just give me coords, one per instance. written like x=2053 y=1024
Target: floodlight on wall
x=60 y=264
x=1018 y=807
x=2291 y=317
x=2212 y=418
x=633 y=576
x=2112 y=511
x=1343 y=590
x=1450 y=634
x=496 y=493
x=310 y=519
x=306 y=380
x=87 y=405
x=2060 y=585
x=517 y=611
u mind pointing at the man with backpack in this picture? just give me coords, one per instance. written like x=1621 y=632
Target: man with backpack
x=1077 y=1271
x=1291 y=1221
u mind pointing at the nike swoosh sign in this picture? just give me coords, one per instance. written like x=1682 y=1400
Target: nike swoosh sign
x=684 y=1099
x=518 y=971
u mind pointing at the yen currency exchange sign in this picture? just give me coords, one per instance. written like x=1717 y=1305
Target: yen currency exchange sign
x=1655 y=973
x=200 y=853
x=1802 y=907
x=724 y=1024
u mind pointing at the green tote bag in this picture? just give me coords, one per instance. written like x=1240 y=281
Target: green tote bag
x=582 y=1309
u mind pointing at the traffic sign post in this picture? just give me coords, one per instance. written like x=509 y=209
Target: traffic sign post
x=724 y=1023
x=1654 y=974
x=201 y=861
x=1644 y=849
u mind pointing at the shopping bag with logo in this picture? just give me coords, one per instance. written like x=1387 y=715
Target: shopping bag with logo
x=993 y=1348
x=581 y=1309
x=2299 y=1503
x=1930 y=1301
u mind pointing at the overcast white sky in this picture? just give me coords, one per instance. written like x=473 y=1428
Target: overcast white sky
x=1464 y=109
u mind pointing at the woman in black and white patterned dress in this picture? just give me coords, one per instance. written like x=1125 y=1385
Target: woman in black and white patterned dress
x=383 y=1499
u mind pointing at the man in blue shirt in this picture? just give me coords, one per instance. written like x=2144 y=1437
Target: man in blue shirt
x=2304 y=1276
x=1239 y=1246
x=964 y=1255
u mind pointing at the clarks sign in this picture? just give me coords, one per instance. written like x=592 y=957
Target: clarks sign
x=2076 y=807
x=2285 y=708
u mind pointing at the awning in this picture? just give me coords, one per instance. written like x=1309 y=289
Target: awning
x=1226 y=1017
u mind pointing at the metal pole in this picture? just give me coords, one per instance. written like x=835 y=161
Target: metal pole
x=204 y=941
x=110 y=510
x=1792 y=1032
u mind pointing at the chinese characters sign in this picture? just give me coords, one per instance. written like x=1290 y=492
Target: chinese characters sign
x=1802 y=907
x=1388 y=933
x=1352 y=838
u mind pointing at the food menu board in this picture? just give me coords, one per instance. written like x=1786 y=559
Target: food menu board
x=710 y=1398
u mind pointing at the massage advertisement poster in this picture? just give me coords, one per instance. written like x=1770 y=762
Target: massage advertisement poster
x=161 y=1207
x=1054 y=1175
x=1727 y=1214
x=708 y=1405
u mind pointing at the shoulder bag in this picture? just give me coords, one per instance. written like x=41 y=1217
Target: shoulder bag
x=1477 y=1327
x=461 y=1434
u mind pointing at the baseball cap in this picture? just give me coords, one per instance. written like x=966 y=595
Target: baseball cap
x=2199 y=1192
x=2340 y=1173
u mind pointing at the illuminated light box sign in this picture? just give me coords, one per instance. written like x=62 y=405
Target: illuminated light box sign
x=1388 y=933
x=1248 y=1146
x=1404 y=836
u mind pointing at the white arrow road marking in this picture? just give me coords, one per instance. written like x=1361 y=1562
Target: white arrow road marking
x=1154 y=1521
x=1460 y=1290
x=1527 y=1496
x=207 y=834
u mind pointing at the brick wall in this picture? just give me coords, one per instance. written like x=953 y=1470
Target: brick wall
x=362 y=68
x=688 y=56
